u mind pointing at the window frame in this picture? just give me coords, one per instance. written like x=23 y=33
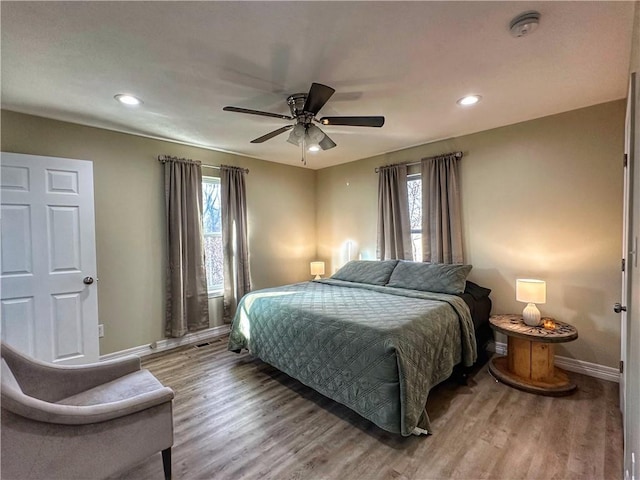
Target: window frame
x=219 y=289
x=413 y=231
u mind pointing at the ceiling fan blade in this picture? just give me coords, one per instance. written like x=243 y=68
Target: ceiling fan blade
x=256 y=112
x=269 y=135
x=326 y=143
x=317 y=97
x=353 y=121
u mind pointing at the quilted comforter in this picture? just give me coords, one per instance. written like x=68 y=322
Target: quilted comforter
x=378 y=350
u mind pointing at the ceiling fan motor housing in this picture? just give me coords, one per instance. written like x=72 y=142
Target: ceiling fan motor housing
x=296 y=103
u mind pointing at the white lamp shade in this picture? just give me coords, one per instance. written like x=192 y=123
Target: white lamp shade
x=531 y=291
x=297 y=134
x=314 y=134
x=317 y=268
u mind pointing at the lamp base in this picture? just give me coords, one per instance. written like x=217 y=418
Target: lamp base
x=318 y=277
x=531 y=315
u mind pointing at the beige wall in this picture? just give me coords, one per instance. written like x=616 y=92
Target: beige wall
x=130 y=225
x=540 y=199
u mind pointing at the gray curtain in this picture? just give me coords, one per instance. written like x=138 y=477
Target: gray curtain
x=441 y=221
x=394 y=231
x=234 y=238
x=187 y=299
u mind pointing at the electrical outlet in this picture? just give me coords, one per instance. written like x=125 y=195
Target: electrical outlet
x=100 y=331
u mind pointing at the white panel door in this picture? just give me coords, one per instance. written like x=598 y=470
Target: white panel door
x=48 y=296
x=630 y=307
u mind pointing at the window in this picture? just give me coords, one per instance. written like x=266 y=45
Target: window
x=414 y=188
x=212 y=230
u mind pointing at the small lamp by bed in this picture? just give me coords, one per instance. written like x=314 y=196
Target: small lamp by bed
x=317 y=269
x=531 y=292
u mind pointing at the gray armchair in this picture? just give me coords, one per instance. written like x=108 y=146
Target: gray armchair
x=81 y=422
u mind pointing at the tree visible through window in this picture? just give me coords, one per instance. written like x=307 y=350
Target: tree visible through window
x=212 y=229
x=414 y=187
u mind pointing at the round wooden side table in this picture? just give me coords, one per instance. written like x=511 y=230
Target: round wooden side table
x=529 y=364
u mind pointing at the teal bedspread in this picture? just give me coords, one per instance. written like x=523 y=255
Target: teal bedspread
x=378 y=350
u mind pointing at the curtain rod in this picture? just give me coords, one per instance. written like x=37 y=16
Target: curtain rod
x=408 y=164
x=165 y=158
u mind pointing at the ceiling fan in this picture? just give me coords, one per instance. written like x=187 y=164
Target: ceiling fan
x=304 y=107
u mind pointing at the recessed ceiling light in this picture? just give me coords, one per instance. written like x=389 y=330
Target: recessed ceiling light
x=127 y=99
x=469 y=100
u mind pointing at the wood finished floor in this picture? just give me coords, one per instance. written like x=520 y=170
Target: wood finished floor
x=236 y=417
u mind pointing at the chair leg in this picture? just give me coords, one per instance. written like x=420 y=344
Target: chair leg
x=166 y=463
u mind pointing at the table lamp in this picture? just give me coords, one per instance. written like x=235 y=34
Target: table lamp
x=531 y=292
x=317 y=269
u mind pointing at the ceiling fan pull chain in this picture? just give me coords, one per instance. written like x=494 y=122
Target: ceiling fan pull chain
x=304 y=157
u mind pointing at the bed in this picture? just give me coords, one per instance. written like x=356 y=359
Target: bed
x=376 y=336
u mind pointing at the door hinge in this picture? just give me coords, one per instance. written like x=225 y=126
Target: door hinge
x=624 y=264
x=625 y=161
x=621 y=366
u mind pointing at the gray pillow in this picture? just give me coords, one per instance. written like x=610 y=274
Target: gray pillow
x=366 y=271
x=430 y=277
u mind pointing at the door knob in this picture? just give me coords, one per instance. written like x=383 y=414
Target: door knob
x=87 y=280
x=619 y=308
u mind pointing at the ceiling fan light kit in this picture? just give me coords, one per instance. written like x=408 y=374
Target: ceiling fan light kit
x=297 y=135
x=304 y=107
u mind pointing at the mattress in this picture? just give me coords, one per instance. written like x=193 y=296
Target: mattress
x=376 y=349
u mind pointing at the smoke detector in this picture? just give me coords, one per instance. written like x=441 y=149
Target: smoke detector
x=524 y=24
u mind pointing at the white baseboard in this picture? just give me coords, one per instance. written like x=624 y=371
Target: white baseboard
x=168 y=343
x=572 y=365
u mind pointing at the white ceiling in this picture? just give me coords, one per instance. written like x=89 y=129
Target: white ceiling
x=408 y=61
